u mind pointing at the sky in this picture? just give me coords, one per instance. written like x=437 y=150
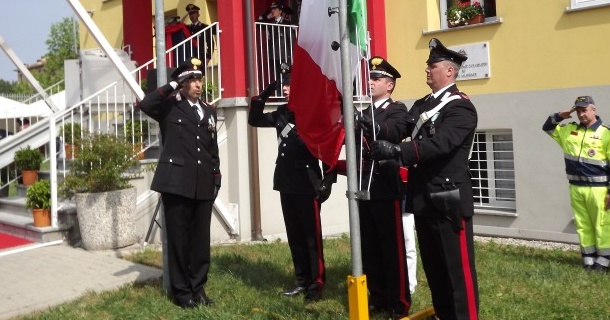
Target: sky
x=25 y=26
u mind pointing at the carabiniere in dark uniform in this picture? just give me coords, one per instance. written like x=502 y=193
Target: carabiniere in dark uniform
x=381 y=229
x=298 y=178
x=188 y=178
x=439 y=192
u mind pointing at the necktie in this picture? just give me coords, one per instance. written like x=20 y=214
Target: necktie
x=197 y=112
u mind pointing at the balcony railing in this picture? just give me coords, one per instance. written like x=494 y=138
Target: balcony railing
x=274 y=45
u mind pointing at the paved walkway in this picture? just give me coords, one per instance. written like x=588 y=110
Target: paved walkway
x=43 y=277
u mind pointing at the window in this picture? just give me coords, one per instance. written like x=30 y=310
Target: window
x=493 y=170
x=575 y=4
x=489 y=6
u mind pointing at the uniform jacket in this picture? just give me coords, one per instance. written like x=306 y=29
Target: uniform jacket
x=297 y=171
x=205 y=44
x=438 y=155
x=586 y=150
x=189 y=164
x=392 y=119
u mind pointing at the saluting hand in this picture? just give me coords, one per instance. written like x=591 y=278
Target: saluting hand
x=265 y=94
x=567 y=113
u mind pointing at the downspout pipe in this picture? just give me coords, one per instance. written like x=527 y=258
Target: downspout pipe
x=257 y=232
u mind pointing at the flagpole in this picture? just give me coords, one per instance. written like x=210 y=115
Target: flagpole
x=356 y=282
x=350 y=142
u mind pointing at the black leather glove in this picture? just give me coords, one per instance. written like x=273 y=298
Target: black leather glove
x=382 y=150
x=268 y=91
x=217 y=182
x=365 y=122
x=324 y=191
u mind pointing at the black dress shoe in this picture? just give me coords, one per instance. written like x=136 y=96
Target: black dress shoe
x=293 y=291
x=313 y=295
x=376 y=309
x=203 y=300
x=188 y=304
x=599 y=268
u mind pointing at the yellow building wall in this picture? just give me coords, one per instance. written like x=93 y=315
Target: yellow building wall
x=108 y=16
x=537 y=46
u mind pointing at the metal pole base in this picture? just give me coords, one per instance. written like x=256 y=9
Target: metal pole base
x=357 y=295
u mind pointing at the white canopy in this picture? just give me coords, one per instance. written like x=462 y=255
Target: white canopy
x=10 y=109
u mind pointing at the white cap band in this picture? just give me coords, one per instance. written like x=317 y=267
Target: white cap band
x=194 y=72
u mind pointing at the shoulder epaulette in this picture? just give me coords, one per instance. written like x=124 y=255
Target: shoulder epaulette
x=463 y=95
x=605 y=126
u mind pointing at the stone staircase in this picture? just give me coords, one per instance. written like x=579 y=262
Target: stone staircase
x=17 y=220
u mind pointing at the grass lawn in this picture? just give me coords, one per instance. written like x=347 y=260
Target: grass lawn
x=515 y=282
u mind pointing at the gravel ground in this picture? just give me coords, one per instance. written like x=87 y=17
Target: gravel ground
x=530 y=243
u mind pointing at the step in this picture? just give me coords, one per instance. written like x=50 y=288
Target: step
x=15 y=205
x=20 y=225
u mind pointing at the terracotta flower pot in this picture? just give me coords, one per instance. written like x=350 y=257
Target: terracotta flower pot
x=71 y=150
x=29 y=177
x=479 y=18
x=137 y=149
x=42 y=217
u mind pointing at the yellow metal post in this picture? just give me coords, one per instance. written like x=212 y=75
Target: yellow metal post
x=357 y=295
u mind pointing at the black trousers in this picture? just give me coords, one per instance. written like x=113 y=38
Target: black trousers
x=384 y=255
x=187 y=223
x=304 y=231
x=448 y=261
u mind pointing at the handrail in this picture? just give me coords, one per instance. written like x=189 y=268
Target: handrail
x=48 y=90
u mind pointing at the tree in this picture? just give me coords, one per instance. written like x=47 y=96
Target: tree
x=6 y=86
x=62 y=44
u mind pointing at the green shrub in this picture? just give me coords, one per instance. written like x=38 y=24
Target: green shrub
x=71 y=132
x=100 y=165
x=28 y=159
x=38 y=195
x=135 y=130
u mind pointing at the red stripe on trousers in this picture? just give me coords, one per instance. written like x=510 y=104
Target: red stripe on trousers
x=320 y=250
x=472 y=307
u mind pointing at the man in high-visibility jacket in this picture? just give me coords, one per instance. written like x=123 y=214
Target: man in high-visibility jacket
x=586 y=148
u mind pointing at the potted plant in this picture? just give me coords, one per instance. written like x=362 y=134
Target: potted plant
x=465 y=13
x=105 y=200
x=210 y=92
x=38 y=198
x=71 y=132
x=3 y=189
x=136 y=133
x=28 y=160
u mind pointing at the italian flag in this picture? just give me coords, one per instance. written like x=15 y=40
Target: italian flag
x=316 y=78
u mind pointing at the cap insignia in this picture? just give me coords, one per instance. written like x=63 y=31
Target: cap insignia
x=196 y=63
x=375 y=62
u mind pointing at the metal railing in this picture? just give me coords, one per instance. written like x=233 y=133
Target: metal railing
x=111 y=110
x=207 y=40
x=274 y=45
x=53 y=89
